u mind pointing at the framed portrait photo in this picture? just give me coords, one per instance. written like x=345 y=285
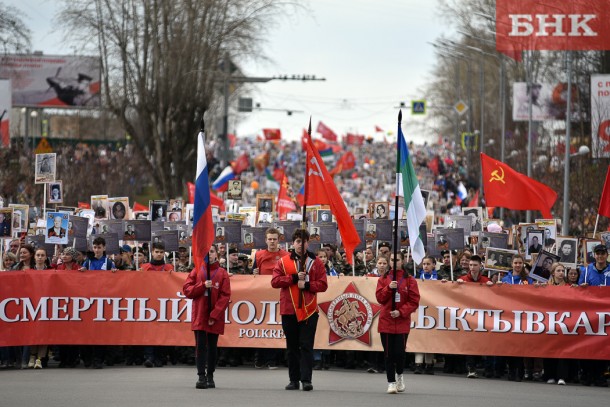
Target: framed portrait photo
x=499 y=260
x=379 y=210
x=265 y=203
x=6 y=222
x=234 y=190
x=534 y=242
x=55 y=192
x=45 y=168
x=567 y=250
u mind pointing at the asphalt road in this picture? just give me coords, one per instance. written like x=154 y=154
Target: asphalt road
x=175 y=386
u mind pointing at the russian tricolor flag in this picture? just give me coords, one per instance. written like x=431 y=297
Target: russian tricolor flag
x=222 y=182
x=203 y=228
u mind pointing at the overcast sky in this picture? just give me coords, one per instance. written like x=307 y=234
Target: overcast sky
x=373 y=53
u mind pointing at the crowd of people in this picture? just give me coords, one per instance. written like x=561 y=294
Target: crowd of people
x=441 y=170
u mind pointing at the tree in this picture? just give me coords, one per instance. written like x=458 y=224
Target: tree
x=14 y=34
x=162 y=61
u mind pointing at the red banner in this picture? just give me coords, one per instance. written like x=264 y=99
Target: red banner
x=147 y=308
x=567 y=25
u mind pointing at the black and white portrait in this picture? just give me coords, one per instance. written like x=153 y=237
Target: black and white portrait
x=567 y=251
x=55 y=192
x=45 y=168
x=535 y=239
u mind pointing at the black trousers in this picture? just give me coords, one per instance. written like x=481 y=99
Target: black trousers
x=299 y=343
x=394 y=354
x=206 y=352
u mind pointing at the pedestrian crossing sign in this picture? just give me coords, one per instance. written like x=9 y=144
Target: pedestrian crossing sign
x=418 y=107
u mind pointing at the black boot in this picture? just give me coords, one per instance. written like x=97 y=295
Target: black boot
x=293 y=386
x=211 y=384
x=201 y=383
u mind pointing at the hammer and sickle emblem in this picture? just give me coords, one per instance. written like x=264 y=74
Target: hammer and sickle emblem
x=495 y=176
x=314 y=162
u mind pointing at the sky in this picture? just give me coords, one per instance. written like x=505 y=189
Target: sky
x=373 y=54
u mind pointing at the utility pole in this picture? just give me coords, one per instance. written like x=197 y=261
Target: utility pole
x=225 y=151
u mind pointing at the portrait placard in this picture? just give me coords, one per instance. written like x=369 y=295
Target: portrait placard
x=499 y=260
x=231 y=231
x=119 y=207
x=6 y=222
x=55 y=192
x=379 y=210
x=234 y=190
x=169 y=238
x=265 y=203
x=567 y=250
x=112 y=242
x=286 y=229
x=249 y=213
x=99 y=204
x=23 y=210
x=534 y=238
x=56 y=231
x=158 y=210
x=45 y=168
x=541 y=271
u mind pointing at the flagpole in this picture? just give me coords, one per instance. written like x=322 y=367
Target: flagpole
x=396 y=200
x=207 y=257
x=304 y=216
x=595 y=229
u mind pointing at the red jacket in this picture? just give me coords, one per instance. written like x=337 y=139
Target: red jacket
x=62 y=266
x=194 y=288
x=160 y=267
x=317 y=282
x=409 y=302
x=468 y=278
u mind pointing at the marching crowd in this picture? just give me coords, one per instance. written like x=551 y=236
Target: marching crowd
x=440 y=170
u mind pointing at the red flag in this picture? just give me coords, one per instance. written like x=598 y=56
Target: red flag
x=355 y=139
x=320 y=145
x=284 y=203
x=326 y=132
x=232 y=140
x=278 y=174
x=378 y=129
x=604 y=202
x=505 y=187
x=320 y=189
x=215 y=200
x=85 y=205
x=272 y=134
x=433 y=166
x=304 y=140
x=191 y=191
x=241 y=164
x=346 y=162
x=138 y=207
x=474 y=202
x=261 y=161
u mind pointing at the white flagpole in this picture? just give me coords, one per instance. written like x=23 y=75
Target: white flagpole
x=595 y=229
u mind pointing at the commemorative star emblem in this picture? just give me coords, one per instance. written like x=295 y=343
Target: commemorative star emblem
x=350 y=316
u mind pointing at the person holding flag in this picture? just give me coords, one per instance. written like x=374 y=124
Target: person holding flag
x=299 y=287
x=208 y=284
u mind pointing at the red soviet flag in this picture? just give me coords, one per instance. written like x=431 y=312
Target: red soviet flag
x=604 y=202
x=320 y=189
x=507 y=188
x=285 y=204
x=326 y=132
x=272 y=134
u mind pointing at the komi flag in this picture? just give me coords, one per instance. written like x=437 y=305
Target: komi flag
x=407 y=186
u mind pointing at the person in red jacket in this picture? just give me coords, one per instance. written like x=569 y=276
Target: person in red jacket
x=398 y=293
x=158 y=259
x=208 y=321
x=69 y=261
x=298 y=306
x=475 y=269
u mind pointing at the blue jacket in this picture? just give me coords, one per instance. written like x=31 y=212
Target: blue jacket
x=510 y=279
x=592 y=276
x=427 y=276
x=103 y=263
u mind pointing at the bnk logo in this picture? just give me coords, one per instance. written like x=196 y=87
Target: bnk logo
x=538 y=25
